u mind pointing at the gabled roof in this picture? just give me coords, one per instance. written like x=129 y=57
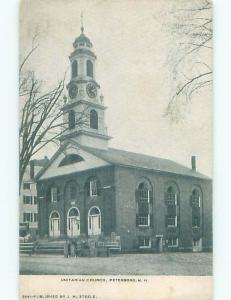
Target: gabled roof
x=131 y=159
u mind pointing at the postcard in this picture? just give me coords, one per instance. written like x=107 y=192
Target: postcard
x=115 y=138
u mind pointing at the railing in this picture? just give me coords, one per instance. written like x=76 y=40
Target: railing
x=110 y=245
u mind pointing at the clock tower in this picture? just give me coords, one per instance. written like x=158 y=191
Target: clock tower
x=84 y=109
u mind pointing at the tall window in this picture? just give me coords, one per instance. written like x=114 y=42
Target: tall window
x=54 y=194
x=74 y=69
x=93 y=187
x=144 y=205
x=73 y=222
x=71 y=119
x=94 y=221
x=89 y=68
x=71 y=191
x=171 y=201
x=93 y=119
x=195 y=198
x=196 y=204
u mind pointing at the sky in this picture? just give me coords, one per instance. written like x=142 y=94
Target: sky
x=132 y=50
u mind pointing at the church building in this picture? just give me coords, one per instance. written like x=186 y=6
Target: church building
x=91 y=190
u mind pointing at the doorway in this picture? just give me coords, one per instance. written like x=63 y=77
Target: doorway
x=73 y=222
x=94 y=221
x=54 y=226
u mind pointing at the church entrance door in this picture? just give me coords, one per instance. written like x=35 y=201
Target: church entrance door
x=73 y=222
x=94 y=221
x=54 y=225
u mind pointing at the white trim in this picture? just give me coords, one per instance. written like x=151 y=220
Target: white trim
x=176 y=221
x=52 y=196
x=92 y=216
x=146 y=247
x=90 y=187
x=175 y=245
x=50 y=222
x=69 y=219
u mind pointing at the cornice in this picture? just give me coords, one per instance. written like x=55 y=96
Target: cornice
x=78 y=102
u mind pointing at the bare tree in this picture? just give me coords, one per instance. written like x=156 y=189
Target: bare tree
x=41 y=114
x=190 y=56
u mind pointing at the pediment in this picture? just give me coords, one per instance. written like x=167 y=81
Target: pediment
x=71 y=159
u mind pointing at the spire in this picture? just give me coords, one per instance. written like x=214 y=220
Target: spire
x=82 y=28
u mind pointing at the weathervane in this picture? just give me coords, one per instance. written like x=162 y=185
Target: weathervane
x=82 y=28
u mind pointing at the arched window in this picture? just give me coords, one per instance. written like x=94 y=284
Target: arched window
x=195 y=198
x=71 y=159
x=54 y=215
x=93 y=119
x=89 y=68
x=73 y=222
x=144 y=204
x=71 y=119
x=196 y=204
x=196 y=208
x=74 y=69
x=54 y=224
x=172 y=203
x=94 y=221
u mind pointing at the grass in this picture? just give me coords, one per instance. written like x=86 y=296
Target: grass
x=191 y=264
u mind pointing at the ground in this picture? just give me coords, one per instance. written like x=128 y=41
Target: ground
x=122 y=264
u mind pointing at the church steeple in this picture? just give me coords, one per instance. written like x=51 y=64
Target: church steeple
x=84 y=100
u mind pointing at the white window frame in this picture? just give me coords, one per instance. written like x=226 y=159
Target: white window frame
x=175 y=199
x=148 y=216
x=144 y=246
x=176 y=219
x=93 y=181
x=30 y=217
x=54 y=188
x=27 y=196
x=173 y=245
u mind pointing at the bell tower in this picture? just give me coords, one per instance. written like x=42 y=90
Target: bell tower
x=84 y=110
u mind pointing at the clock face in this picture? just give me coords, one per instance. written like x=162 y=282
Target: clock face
x=73 y=91
x=91 y=90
